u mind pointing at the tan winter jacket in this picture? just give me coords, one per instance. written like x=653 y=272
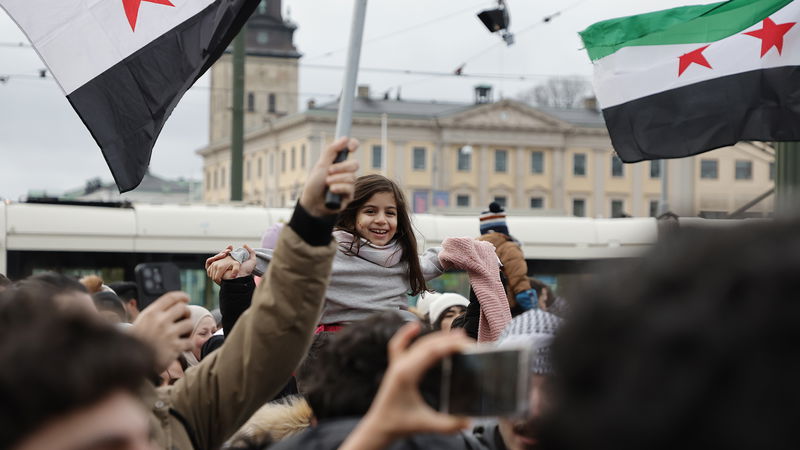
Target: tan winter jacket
x=216 y=397
x=514 y=266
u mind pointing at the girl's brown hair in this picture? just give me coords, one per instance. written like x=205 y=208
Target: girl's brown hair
x=365 y=188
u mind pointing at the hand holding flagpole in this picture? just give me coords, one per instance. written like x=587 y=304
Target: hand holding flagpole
x=345 y=117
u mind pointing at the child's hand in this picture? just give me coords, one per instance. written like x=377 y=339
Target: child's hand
x=218 y=256
x=223 y=269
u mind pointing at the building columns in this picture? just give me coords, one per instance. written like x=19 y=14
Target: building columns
x=400 y=163
x=637 y=197
x=557 y=180
x=519 y=178
x=483 y=176
x=600 y=157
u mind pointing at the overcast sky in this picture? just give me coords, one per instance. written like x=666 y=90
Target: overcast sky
x=44 y=145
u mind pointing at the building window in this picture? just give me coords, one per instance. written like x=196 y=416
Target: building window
x=258 y=168
x=744 y=169
x=283 y=162
x=262 y=7
x=579 y=207
x=303 y=156
x=251 y=102
x=464 y=159
x=271 y=163
x=537 y=162
x=708 y=169
x=462 y=201
x=653 y=208
x=377 y=157
x=501 y=200
x=247 y=170
x=214 y=179
x=222 y=176
x=617 y=208
x=271 y=103
x=293 y=158
x=771 y=171
x=500 y=161
x=655 y=169
x=262 y=37
x=419 y=158
x=617 y=169
x=579 y=165
x=537 y=202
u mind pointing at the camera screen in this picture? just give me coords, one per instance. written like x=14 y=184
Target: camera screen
x=486 y=384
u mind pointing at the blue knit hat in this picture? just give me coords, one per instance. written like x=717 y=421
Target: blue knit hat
x=494 y=220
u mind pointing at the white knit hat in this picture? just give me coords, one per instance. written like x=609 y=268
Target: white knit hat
x=445 y=301
x=425 y=300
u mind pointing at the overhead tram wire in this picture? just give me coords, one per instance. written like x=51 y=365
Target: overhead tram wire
x=401 y=31
x=545 y=20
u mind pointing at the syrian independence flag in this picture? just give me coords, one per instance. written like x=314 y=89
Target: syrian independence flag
x=683 y=81
x=125 y=64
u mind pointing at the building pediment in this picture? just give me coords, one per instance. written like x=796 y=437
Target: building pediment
x=504 y=114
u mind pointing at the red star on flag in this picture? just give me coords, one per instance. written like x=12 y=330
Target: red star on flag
x=132 y=9
x=771 y=35
x=693 y=57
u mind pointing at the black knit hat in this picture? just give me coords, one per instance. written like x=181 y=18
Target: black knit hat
x=494 y=220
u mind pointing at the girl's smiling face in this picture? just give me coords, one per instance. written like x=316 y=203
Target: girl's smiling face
x=376 y=221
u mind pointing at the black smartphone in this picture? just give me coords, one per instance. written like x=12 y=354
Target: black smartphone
x=156 y=279
x=486 y=382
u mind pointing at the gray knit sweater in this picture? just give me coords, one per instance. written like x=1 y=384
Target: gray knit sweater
x=359 y=287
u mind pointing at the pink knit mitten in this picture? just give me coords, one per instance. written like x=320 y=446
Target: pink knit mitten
x=479 y=260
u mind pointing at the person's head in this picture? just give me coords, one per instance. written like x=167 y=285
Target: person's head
x=445 y=308
x=204 y=326
x=379 y=214
x=694 y=348
x=494 y=220
x=67 y=292
x=534 y=329
x=350 y=367
x=93 y=283
x=4 y=282
x=110 y=307
x=76 y=389
x=128 y=292
x=543 y=292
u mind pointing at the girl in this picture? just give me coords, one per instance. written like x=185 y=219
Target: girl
x=377 y=262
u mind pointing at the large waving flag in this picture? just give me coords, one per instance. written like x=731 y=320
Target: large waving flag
x=125 y=64
x=683 y=81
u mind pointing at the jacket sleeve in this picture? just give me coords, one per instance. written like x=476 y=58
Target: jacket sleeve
x=515 y=267
x=235 y=296
x=429 y=263
x=271 y=337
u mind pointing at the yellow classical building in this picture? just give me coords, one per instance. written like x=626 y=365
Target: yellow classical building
x=457 y=157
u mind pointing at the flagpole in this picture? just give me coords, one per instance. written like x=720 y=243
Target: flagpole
x=344 y=120
x=237 y=121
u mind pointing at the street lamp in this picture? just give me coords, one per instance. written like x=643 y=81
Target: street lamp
x=497 y=20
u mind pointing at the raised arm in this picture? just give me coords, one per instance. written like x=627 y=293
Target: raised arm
x=271 y=337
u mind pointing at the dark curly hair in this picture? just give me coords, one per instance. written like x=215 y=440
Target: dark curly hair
x=350 y=367
x=697 y=348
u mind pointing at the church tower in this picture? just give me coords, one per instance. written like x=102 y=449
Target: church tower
x=271 y=74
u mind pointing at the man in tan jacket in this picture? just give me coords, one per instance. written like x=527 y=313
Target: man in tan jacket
x=216 y=397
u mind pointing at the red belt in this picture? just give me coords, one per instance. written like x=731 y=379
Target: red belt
x=328 y=328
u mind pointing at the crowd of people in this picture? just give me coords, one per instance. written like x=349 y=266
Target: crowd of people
x=315 y=344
